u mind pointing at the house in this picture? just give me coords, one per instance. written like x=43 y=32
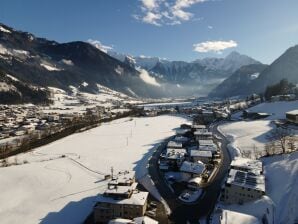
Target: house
x=202 y=134
x=121 y=199
x=292 y=116
x=175 y=157
x=211 y=147
x=203 y=156
x=190 y=170
x=174 y=144
x=243 y=186
x=207 y=142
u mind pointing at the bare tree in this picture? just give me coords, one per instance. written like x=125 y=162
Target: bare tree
x=280 y=135
x=291 y=143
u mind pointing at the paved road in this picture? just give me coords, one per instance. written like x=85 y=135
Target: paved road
x=182 y=213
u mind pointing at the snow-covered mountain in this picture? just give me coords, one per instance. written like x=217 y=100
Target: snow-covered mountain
x=44 y=63
x=255 y=78
x=231 y=62
x=199 y=72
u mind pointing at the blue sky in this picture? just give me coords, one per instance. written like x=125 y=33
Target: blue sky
x=173 y=29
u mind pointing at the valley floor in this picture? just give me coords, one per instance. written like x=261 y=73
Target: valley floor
x=60 y=181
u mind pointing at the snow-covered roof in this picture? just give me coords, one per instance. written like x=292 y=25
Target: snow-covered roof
x=202 y=132
x=182 y=131
x=233 y=217
x=181 y=139
x=190 y=167
x=196 y=180
x=197 y=153
x=144 y=220
x=137 y=198
x=246 y=179
x=174 y=153
x=293 y=112
x=120 y=190
x=125 y=177
x=211 y=148
x=174 y=144
x=198 y=126
x=254 y=166
x=206 y=142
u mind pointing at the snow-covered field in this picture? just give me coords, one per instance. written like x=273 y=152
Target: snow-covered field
x=49 y=187
x=281 y=171
x=251 y=134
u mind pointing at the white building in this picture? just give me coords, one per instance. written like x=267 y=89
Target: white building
x=121 y=199
x=243 y=186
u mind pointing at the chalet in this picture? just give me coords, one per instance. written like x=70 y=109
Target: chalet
x=175 y=145
x=292 y=116
x=181 y=139
x=212 y=148
x=203 y=156
x=202 y=134
x=207 y=142
x=191 y=170
x=175 y=157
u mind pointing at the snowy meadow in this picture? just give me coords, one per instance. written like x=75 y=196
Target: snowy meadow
x=60 y=181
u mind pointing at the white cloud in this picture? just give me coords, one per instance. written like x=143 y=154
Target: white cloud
x=99 y=45
x=144 y=75
x=210 y=27
x=165 y=12
x=214 y=46
x=152 y=18
x=150 y=4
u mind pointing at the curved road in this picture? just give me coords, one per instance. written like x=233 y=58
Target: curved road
x=182 y=213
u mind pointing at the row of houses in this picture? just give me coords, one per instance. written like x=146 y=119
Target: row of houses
x=189 y=157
